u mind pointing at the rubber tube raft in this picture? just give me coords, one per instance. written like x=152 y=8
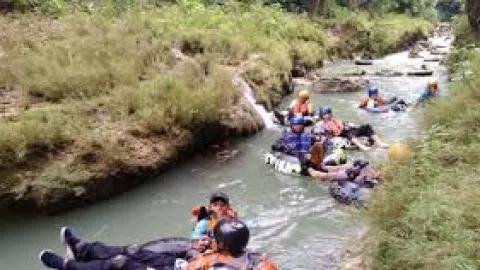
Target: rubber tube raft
x=363 y=62
x=356 y=189
x=173 y=250
x=349 y=192
x=344 y=143
x=397 y=107
x=420 y=73
x=431 y=59
x=291 y=165
x=281 y=118
x=169 y=245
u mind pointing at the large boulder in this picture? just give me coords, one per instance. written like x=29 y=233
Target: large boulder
x=337 y=85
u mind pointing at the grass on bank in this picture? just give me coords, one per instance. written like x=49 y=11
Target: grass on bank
x=374 y=36
x=428 y=215
x=86 y=79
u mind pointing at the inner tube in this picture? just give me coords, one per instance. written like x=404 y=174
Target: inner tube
x=291 y=165
x=284 y=163
x=420 y=73
x=388 y=73
x=177 y=245
x=348 y=192
x=375 y=110
x=281 y=118
x=363 y=62
x=337 y=157
x=399 y=107
x=170 y=250
x=432 y=59
x=344 y=143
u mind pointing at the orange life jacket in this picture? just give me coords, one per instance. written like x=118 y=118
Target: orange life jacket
x=378 y=102
x=335 y=126
x=249 y=261
x=212 y=221
x=301 y=108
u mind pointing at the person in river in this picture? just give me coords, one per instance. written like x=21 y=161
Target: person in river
x=329 y=126
x=219 y=208
x=230 y=253
x=83 y=255
x=348 y=183
x=430 y=91
x=295 y=141
x=373 y=102
x=301 y=106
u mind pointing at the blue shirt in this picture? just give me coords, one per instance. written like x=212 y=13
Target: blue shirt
x=201 y=229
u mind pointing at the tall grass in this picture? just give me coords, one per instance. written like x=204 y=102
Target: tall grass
x=428 y=215
x=86 y=78
x=375 y=36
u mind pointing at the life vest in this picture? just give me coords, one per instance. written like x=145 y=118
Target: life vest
x=297 y=144
x=249 y=261
x=364 y=102
x=212 y=221
x=301 y=108
x=335 y=126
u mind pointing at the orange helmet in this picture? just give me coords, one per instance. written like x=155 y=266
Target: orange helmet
x=304 y=94
x=432 y=84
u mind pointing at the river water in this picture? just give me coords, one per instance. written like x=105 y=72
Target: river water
x=293 y=219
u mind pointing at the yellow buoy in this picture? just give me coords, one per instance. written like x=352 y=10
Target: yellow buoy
x=399 y=151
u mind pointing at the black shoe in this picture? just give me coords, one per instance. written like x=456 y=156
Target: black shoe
x=280 y=117
x=70 y=241
x=51 y=260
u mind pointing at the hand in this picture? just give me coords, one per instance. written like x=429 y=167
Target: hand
x=203 y=243
x=232 y=213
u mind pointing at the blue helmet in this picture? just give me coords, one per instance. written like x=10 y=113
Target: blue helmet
x=324 y=110
x=372 y=90
x=297 y=120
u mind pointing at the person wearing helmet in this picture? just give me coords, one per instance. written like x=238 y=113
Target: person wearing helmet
x=358 y=171
x=83 y=255
x=231 y=239
x=295 y=141
x=329 y=126
x=373 y=102
x=301 y=105
x=207 y=217
x=430 y=91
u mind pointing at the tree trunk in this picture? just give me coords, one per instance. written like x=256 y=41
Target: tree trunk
x=315 y=7
x=472 y=8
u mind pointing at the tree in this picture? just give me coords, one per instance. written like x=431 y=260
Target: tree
x=472 y=7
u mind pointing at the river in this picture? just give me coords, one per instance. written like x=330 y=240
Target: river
x=293 y=219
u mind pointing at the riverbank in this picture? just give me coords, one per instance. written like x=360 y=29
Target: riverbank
x=426 y=216
x=95 y=102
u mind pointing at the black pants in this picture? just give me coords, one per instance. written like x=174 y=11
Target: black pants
x=98 y=256
x=360 y=131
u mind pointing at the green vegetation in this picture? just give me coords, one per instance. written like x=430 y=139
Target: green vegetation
x=427 y=214
x=85 y=82
x=363 y=35
x=88 y=87
x=332 y=8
